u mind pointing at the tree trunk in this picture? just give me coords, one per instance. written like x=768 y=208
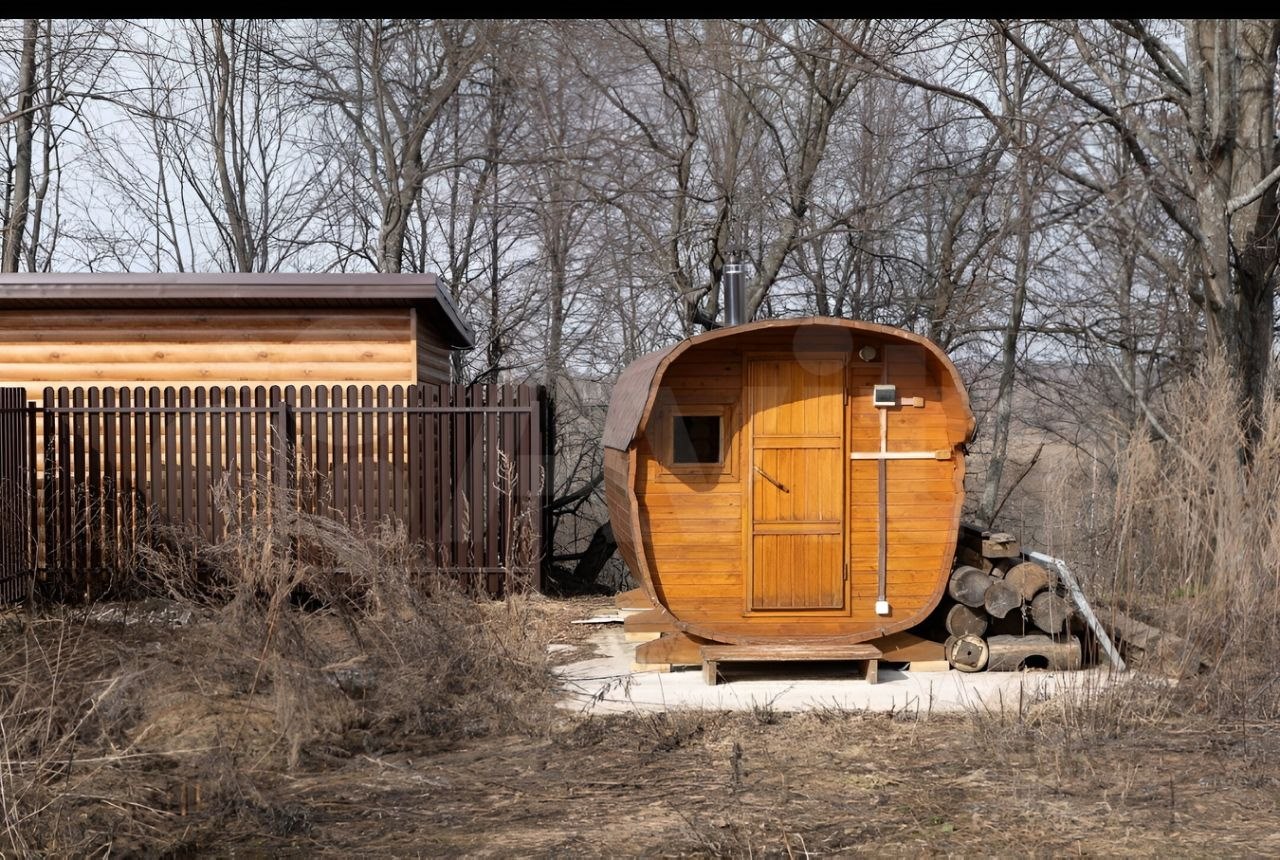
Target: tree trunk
x=1232 y=76
x=1009 y=352
x=25 y=122
x=1014 y=653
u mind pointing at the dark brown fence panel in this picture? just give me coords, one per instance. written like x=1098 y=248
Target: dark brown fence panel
x=19 y=508
x=461 y=469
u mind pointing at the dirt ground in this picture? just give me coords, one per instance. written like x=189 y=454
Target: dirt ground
x=1056 y=779
x=821 y=785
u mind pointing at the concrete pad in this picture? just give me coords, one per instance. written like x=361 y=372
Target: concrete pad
x=606 y=683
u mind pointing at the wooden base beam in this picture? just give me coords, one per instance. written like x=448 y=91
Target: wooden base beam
x=714 y=655
x=673 y=649
x=634 y=600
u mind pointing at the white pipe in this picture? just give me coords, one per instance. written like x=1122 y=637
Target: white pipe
x=1077 y=595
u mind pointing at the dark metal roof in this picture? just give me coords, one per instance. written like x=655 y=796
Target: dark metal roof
x=34 y=291
x=637 y=387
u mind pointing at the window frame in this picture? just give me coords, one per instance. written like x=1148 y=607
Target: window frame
x=725 y=466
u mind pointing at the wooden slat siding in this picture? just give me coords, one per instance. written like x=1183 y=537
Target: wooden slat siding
x=506 y=510
x=306 y=463
x=12 y=442
x=141 y=495
x=352 y=453
x=62 y=476
x=400 y=468
x=204 y=347
x=492 y=506
x=338 y=463
x=230 y=438
x=433 y=359
x=415 y=421
x=216 y=430
x=368 y=493
x=458 y=550
x=702 y=584
x=278 y=441
x=261 y=453
x=9 y=519
x=51 y=500
x=198 y=507
x=538 y=475
x=544 y=479
x=61 y=472
x=79 y=535
x=291 y=443
x=33 y=484
x=382 y=454
x=524 y=442
x=476 y=495
x=169 y=464
x=435 y=490
x=168 y=449
x=321 y=465
x=242 y=499
x=110 y=464
x=19 y=506
x=448 y=499
x=93 y=485
x=186 y=508
x=539 y=468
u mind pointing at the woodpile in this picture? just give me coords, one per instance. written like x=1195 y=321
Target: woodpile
x=1008 y=613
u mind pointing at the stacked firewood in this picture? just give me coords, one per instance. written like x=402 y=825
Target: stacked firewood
x=1008 y=612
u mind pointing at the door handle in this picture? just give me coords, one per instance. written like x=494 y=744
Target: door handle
x=772 y=480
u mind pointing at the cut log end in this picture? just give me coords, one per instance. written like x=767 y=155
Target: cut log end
x=1000 y=545
x=1001 y=598
x=966 y=621
x=968 y=585
x=967 y=653
x=1029 y=579
x=1050 y=612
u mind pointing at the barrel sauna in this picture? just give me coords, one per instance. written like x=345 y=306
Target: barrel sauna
x=790 y=481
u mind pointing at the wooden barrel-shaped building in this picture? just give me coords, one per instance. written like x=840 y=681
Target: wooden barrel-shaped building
x=790 y=481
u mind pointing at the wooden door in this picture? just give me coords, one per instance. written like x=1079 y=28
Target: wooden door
x=797 y=484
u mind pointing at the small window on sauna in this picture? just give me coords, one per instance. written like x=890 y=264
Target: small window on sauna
x=696 y=440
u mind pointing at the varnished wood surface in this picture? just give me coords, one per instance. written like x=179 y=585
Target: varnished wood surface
x=689 y=538
x=205 y=347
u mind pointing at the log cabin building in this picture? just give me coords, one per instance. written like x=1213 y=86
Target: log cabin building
x=115 y=330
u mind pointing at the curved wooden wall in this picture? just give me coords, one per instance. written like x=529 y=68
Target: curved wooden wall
x=691 y=535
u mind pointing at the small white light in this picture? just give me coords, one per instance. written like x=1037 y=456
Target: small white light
x=882 y=607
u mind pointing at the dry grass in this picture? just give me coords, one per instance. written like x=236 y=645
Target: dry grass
x=304 y=645
x=324 y=694
x=1196 y=544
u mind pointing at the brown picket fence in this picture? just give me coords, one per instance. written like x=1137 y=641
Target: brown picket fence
x=461 y=468
x=18 y=514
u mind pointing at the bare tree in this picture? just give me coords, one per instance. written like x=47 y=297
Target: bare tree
x=1215 y=177
x=18 y=198
x=383 y=85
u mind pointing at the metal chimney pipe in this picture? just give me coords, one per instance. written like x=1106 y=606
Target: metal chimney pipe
x=735 y=299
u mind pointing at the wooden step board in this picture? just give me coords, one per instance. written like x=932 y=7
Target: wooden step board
x=647 y=625
x=671 y=649
x=714 y=655
x=634 y=600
